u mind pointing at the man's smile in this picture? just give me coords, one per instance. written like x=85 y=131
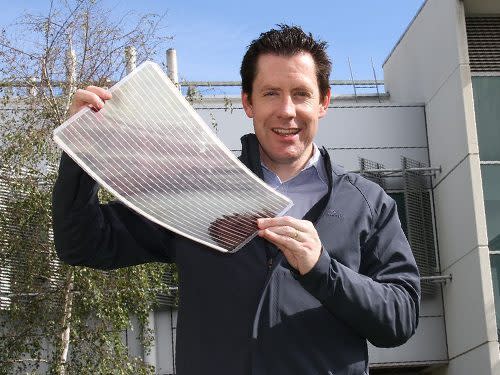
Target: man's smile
x=285 y=132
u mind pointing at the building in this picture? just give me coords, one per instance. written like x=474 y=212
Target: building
x=448 y=59
x=441 y=114
x=432 y=141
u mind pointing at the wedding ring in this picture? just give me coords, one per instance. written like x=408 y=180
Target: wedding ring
x=296 y=235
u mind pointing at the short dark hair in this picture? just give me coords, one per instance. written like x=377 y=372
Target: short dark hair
x=286 y=41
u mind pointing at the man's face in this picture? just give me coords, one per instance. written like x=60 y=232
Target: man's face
x=285 y=107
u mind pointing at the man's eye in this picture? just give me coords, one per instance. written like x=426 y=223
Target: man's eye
x=270 y=93
x=304 y=94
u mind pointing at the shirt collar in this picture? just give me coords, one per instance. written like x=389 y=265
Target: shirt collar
x=316 y=162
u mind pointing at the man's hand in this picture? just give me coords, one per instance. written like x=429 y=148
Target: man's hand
x=92 y=97
x=297 y=239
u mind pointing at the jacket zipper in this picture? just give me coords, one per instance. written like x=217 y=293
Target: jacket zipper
x=270 y=264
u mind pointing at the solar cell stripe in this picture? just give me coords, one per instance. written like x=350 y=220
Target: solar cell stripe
x=216 y=150
x=140 y=201
x=252 y=224
x=117 y=159
x=171 y=150
x=203 y=140
x=202 y=180
x=153 y=151
x=109 y=172
x=158 y=187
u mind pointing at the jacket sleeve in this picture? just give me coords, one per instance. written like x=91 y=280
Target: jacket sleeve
x=101 y=236
x=381 y=302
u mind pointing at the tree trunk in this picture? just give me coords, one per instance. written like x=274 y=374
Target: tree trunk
x=65 y=323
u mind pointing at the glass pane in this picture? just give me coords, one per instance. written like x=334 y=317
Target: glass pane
x=491 y=190
x=487 y=108
x=400 y=204
x=495 y=275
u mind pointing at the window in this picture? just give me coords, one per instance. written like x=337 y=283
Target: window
x=495 y=274
x=400 y=203
x=486 y=91
x=487 y=107
x=491 y=190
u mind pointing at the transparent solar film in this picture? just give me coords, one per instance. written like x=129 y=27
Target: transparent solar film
x=149 y=148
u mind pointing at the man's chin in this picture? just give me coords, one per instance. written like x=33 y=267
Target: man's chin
x=284 y=158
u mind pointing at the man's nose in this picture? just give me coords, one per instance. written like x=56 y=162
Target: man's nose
x=287 y=107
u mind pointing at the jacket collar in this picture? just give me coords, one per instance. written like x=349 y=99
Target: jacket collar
x=250 y=156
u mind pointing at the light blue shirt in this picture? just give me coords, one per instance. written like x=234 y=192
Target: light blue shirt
x=304 y=189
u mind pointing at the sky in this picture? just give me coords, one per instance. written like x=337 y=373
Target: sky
x=210 y=37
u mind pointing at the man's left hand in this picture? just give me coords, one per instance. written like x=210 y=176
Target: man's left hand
x=297 y=239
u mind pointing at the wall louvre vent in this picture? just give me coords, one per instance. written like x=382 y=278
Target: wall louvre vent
x=483 y=38
x=377 y=177
x=419 y=221
x=169 y=298
x=14 y=266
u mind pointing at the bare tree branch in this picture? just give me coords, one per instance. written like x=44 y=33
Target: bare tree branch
x=45 y=307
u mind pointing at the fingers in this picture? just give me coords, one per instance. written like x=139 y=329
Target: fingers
x=280 y=237
x=301 y=225
x=99 y=91
x=287 y=227
x=92 y=96
x=286 y=231
x=301 y=250
x=297 y=239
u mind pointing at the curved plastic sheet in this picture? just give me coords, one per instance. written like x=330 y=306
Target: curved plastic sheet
x=149 y=148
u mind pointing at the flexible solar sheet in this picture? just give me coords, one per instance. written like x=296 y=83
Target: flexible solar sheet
x=149 y=148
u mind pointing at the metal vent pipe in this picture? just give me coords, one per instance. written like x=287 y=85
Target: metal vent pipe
x=172 y=66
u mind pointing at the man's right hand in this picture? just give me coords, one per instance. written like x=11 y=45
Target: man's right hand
x=93 y=97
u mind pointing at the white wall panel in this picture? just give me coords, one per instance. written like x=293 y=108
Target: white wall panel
x=471 y=320
x=452 y=133
x=427 y=53
x=460 y=217
x=166 y=323
x=481 y=360
x=428 y=345
x=369 y=127
x=374 y=132
x=432 y=305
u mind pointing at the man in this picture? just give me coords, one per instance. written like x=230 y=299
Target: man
x=305 y=295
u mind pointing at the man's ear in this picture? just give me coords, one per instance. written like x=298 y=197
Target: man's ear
x=247 y=104
x=325 y=103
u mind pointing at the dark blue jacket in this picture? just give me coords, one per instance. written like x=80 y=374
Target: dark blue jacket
x=249 y=312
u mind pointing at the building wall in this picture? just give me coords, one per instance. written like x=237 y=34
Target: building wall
x=382 y=132
x=430 y=65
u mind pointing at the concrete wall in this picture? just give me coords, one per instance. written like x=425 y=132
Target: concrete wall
x=430 y=65
x=381 y=132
